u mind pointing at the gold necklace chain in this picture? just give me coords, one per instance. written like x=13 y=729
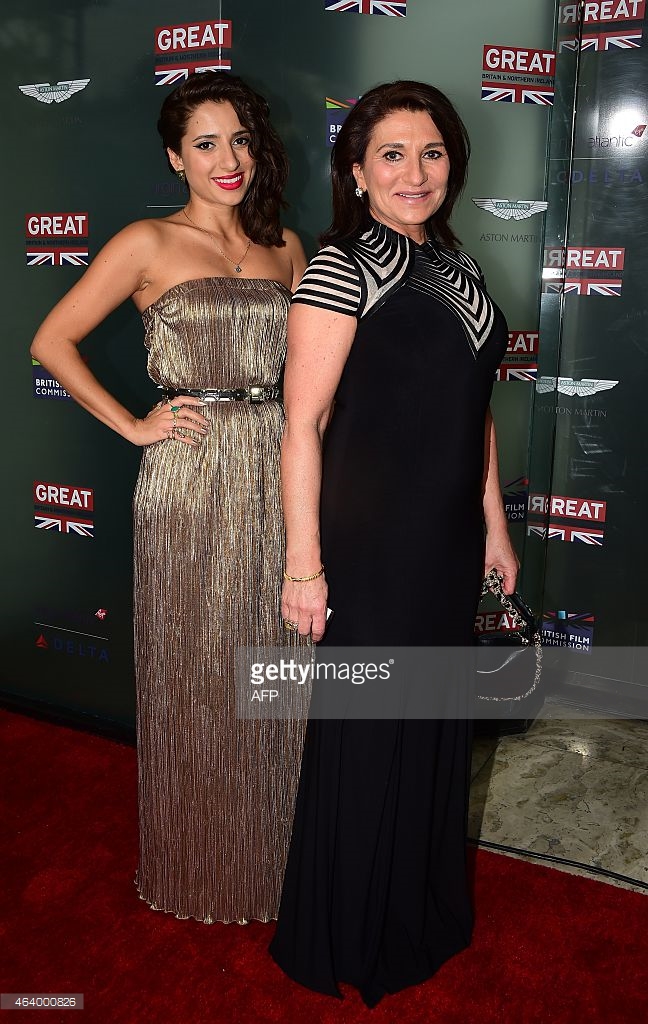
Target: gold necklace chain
x=235 y=263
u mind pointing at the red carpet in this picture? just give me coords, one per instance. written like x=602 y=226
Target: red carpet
x=549 y=948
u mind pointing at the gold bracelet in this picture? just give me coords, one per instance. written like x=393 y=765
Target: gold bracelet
x=304 y=579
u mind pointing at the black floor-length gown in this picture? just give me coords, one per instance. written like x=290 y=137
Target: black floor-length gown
x=375 y=892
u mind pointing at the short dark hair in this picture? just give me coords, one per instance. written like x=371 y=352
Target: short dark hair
x=350 y=214
x=260 y=209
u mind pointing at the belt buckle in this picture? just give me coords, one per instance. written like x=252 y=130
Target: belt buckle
x=257 y=393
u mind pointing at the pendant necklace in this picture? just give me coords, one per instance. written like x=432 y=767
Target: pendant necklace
x=235 y=263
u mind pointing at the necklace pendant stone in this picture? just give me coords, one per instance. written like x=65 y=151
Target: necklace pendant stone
x=237 y=269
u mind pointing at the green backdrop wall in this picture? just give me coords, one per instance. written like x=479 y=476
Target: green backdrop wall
x=81 y=97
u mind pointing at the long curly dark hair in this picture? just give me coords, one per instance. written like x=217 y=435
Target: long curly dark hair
x=261 y=207
x=350 y=214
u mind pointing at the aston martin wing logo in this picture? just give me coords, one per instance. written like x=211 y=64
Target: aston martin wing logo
x=569 y=386
x=511 y=209
x=46 y=93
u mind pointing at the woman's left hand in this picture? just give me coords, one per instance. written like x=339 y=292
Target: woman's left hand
x=500 y=555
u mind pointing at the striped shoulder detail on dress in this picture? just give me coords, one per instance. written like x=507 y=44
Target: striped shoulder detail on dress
x=331 y=281
x=384 y=258
x=358 y=274
x=456 y=280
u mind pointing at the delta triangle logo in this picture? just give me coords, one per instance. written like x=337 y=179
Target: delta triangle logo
x=42 y=643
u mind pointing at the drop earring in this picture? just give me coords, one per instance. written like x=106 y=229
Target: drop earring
x=359 y=192
x=181 y=176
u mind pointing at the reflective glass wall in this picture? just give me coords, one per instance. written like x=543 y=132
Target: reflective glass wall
x=586 y=551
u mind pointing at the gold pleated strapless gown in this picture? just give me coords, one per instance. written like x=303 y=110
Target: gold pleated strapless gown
x=216 y=793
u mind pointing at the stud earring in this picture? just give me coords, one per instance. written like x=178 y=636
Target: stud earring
x=182 y=176
x=359 y=192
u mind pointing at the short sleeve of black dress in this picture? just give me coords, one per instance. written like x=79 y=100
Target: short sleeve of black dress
x=331 y=282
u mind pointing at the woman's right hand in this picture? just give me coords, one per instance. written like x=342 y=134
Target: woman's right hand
x=165 y=418
x=304 y=605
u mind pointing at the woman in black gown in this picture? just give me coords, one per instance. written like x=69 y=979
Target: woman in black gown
x=393 y=327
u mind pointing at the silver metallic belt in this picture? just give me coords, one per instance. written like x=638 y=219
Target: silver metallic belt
x=261 y=393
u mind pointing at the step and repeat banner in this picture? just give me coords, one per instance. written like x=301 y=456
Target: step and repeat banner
x=82 y=86
x=586 y=515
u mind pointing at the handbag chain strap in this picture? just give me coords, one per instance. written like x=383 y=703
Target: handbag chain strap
x=493 y=583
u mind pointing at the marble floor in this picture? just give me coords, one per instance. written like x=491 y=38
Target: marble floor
x=573 y=788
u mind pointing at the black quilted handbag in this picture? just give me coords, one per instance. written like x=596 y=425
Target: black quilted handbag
x=509 y=664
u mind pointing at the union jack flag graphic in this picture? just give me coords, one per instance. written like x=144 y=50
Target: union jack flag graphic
x=597 y=41
x=171 y=74
x=57 y=257
x=391 y=10
x=572 y=534
x=602 y=287
x=514 y=92
x=513 y=371
x=64 y=524
x=575 y=534
x=584 y=286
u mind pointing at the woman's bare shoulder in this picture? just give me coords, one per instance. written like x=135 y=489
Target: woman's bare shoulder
x=295 y=251
x=292 y=240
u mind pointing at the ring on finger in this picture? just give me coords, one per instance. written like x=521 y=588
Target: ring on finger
x=292 y=627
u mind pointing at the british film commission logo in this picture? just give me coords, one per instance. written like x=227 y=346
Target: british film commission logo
x=521 y=360
x=46 y=93
x=53 y=239
x=583 y=388
x=583 y=270
x=516 y=498
x=568 y=629
x=336 y=115
x=559 y=517
x=63 y=508
x=515 y=74
x=45 y=385
x=80 y=634
x=390 y=10
x=181 y=50
x=607 y=25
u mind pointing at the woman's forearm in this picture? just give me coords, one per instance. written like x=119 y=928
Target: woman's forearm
x=494 y=514
x=301 y=472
